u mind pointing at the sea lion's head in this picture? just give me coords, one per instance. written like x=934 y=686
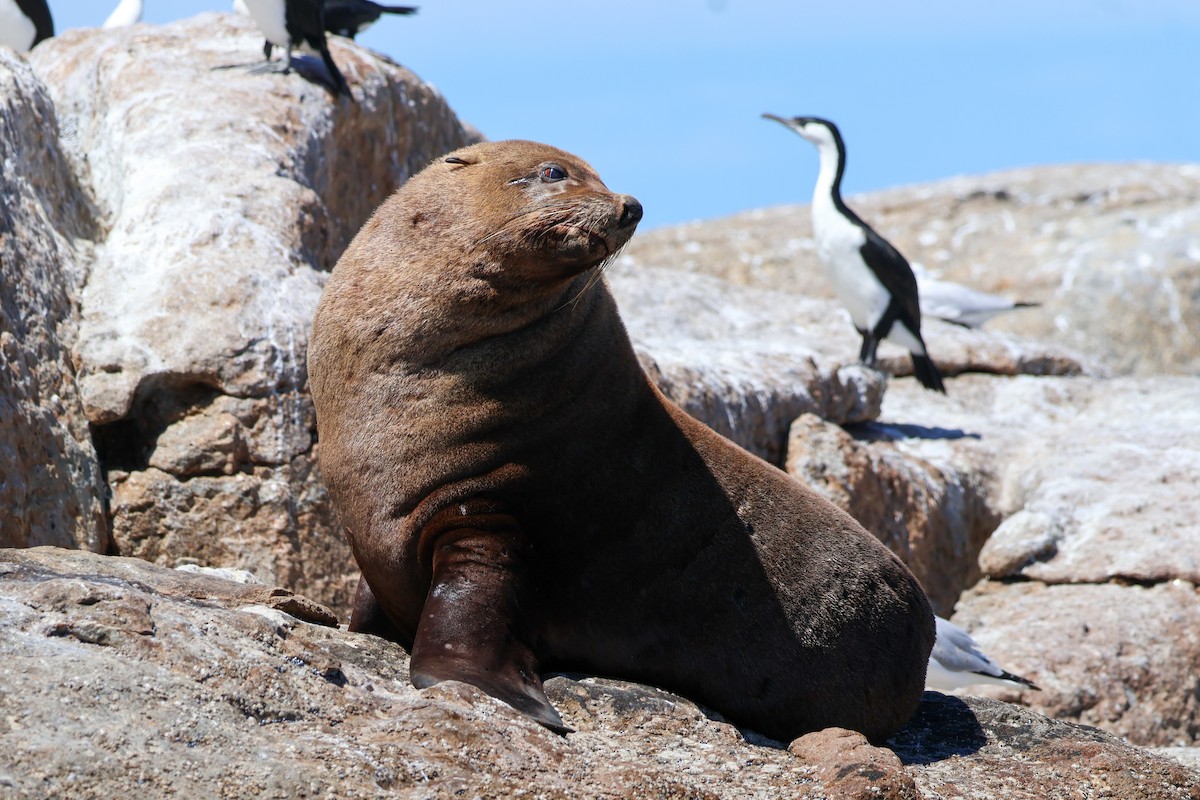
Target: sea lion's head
x=537 y=212
x=481 y=242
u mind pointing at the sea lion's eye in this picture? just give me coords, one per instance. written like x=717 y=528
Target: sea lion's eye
x=553 y=172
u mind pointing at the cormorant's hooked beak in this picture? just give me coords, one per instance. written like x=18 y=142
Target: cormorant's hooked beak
x=787 y=123
x=797 y=125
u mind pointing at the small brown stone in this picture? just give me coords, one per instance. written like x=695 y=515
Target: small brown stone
x=851 y=768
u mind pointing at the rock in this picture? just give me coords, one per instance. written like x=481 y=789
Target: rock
x=973 y=748
x=227 y=573
x=219 y=199
x=1109 y=251
x=1122 y=658
x=668 y=306
x=747 y=362
x=935 y=515
x=1092 y=476
x=51 y=484
x=1089 y=478
x=224 y=195
x=206 y=442
x=852 y=768
x=276 y=523
x=1188 y=756
x=136 y=680
x=721 y=352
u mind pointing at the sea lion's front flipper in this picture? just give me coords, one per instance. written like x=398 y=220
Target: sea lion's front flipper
x=470 y=628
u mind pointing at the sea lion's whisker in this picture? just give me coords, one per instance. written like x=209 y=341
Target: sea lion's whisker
x=593 y=279
x=539 y=214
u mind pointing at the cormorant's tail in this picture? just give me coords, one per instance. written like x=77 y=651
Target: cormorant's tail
x=927 y=372
x=400 y=9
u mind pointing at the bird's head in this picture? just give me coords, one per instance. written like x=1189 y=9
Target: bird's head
x=820 y=132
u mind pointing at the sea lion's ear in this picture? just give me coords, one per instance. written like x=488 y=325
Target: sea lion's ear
x=457 y=160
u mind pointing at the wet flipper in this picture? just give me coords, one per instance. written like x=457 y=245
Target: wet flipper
x=470 y=628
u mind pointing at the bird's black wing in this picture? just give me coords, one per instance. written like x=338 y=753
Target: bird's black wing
x=39 y=14
x=305 y=21
x=348 y=17
x=897 y=277
x=895 y=274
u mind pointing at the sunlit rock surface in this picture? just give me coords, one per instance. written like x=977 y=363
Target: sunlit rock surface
x=51 y=482
x=219 y=200
x=135 y=680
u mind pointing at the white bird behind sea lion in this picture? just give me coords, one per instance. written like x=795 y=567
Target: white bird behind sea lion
x=957 y=661
x=958 y=304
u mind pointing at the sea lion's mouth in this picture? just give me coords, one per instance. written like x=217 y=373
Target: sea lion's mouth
x=595 y=240
x=568 y=235
x=573 y=240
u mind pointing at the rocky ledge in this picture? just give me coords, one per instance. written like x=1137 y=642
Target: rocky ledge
x=128 y=679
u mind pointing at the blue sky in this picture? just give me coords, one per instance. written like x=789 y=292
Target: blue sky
x=663 y=97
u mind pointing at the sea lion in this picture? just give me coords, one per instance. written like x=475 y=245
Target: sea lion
x=520 y=498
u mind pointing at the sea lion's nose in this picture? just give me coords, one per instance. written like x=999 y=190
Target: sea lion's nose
x=632 y=213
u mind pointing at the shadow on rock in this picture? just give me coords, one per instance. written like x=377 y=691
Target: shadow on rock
x=943 y=726
x=889 y=432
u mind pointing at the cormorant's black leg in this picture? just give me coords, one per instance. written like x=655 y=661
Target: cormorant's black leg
x=866 y=353
x=339 y=83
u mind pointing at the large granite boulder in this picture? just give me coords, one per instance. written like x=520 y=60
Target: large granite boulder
x=934 y=513
x=215 y=202
x=1090 y=558
x=1118 y=656
x=51 y=483
x=136 y=680
x=224 y=196
x=747 y=361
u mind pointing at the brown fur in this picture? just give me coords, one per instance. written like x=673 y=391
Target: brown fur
x=520 y=498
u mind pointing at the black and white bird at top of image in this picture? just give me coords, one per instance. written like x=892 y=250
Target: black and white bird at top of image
x=295 y=24
x=24 y=23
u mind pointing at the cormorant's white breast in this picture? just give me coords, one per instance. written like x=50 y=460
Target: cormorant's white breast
x=24 y=23
x=271 y=18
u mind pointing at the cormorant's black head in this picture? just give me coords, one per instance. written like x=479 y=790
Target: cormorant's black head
x=819 y=131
